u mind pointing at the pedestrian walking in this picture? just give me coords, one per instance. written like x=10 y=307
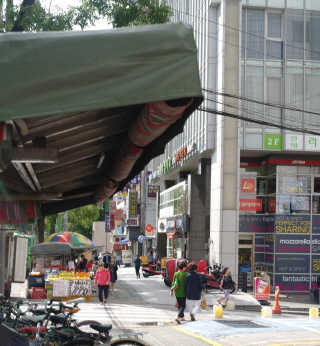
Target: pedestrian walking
x=150 y=257
x=113 y=273
x=102 y=279
x=179 y=278
x=194 y=290
x=106 y=259
x=137 y=264
x=225 y=284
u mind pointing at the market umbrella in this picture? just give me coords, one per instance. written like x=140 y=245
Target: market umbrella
x=76 y=239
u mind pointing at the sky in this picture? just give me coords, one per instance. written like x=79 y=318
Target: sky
x=101 y=25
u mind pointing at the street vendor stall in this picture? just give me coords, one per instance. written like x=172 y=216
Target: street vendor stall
x=54 y=274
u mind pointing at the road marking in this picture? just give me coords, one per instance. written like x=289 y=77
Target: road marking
x=297 y=343
x=203 y=338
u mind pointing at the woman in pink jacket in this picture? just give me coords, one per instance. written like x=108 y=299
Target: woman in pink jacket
x=103 y=280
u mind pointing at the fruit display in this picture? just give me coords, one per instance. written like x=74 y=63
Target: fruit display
x=69 y=275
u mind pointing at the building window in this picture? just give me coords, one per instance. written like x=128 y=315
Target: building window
x=255 y=34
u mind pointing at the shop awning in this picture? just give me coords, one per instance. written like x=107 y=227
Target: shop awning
x=56 y=249
x=84 y=112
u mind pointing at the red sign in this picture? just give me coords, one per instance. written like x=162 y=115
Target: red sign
x=119 y=247
x=248 y=185
x=271 y=205
x=250 y=204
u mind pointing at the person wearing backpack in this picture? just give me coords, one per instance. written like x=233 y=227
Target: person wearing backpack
x=178 y=286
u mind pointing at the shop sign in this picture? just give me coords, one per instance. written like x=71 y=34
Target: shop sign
x=271 y=205
x=120 y=247
x=250 y=204
x=269 y=242
x=315 y=264
x=171 y=224
x=272 y=142
x=141 y=239
x=107 y=222
x=166 y=166
x=293 y=282
x=315 y=244
x=150 y=231
x=262 y=287
x=126 y=256
x=292 y=224
x=132 y=222
x=294 y=185
x=291 y=263
x=153 y=190
x=133 y=204
x=312 y=143
x=135 y=180
x=259 y=243
x=316 y=224
x=113 y=207
x=252 y=223
x=118 y=214
x=288 y=243
x=161 y=226
x=294 y=142
x=248 y=185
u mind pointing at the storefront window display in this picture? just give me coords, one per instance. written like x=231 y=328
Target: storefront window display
x=286 y=242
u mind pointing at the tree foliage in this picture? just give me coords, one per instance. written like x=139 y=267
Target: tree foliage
x=33 y=15
x=79 y=220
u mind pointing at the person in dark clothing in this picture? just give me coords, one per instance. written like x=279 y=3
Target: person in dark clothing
x=194 y=290
x=106 y=259
x=316 y=291
x=83 y=263
x=225 y=284
x=137 y=264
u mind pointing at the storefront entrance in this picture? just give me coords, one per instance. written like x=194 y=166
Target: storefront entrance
x=246 y=256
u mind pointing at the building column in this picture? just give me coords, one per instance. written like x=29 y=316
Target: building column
x=223 y=242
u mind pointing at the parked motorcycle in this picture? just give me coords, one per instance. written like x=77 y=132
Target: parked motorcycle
x=171 y=268
x=211 y=278
x=153 y=270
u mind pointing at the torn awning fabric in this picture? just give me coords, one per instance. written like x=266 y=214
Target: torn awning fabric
x=155 y=118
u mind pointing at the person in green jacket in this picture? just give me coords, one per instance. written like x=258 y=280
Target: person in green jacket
x=180 y=278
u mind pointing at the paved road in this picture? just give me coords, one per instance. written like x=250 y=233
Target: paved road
x=144 y=305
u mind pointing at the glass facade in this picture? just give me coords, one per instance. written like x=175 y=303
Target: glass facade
x=280 y=65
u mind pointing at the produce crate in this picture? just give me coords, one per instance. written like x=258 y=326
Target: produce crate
x=38 y=293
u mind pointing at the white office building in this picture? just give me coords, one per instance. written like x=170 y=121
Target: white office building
x=241 y=185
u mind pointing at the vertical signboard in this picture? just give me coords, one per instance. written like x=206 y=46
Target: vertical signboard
x=262 y=287
x=133 y=204
x=112 y=206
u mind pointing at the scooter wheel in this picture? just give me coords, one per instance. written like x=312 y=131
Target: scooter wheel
x=145 y=275
x=167 y=282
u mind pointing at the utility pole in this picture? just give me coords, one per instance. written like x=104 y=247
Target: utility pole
x=2 y=258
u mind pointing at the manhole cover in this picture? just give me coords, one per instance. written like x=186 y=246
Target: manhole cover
x=242 y=324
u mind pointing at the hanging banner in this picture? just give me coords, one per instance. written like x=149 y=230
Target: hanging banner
x=107 y=222
x=113 y=207
x=133 y=204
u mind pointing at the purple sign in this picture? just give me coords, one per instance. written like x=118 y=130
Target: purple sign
x=289 y=263
x=316 y=224
x=293 y=282
x=315 y=246
x=292 y=243
x=256 y=223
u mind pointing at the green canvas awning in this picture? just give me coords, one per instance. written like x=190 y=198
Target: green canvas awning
x=71 y=99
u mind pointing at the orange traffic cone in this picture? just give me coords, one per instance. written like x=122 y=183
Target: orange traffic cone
x=276 y=307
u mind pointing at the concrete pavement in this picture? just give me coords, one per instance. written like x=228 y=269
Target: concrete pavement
x=205 y=329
